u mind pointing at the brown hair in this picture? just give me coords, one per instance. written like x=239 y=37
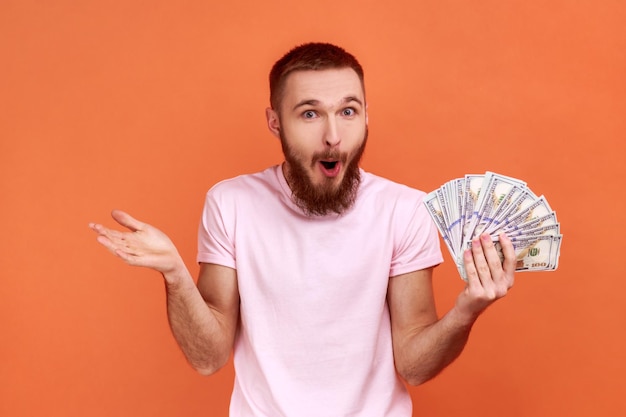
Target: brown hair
x=309 y=56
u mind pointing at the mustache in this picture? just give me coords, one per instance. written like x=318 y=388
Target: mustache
x=329 y=155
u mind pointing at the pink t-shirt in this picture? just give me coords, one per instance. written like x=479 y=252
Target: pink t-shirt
x=314 y=337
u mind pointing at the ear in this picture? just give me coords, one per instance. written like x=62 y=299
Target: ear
x=273 y=121
x=366 y=116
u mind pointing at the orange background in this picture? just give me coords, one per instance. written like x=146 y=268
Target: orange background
x=143 y=105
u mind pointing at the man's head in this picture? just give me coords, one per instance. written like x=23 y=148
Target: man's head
x=319 y=113
x=309 y=57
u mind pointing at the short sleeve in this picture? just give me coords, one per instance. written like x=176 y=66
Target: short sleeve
x=416 y=244
x=215 y=231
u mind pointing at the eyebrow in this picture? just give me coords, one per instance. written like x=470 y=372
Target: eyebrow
x=313 y=102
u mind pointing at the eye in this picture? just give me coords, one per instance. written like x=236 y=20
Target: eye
x=309 y=114
x=348 y=112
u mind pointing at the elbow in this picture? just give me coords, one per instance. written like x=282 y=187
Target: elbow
x=209 y=367
x=415 y=377
x=414 y=380
x=411 y=379
x=206 y=370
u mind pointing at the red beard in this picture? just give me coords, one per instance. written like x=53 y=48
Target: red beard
x=322 y=199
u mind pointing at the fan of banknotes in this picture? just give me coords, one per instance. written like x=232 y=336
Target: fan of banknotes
x=464 y=208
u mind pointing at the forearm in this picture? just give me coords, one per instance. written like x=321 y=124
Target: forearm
x=197 y=328
x=204 y=333
x=425 y=352
x=424 y=346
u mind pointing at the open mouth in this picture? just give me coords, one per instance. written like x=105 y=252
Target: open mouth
x=329 y=165
x=330 y=168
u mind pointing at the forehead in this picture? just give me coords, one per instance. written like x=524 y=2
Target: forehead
x=327 y=86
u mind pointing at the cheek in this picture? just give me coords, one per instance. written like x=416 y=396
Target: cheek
x=353 y=134
x=296 y=146
x=305 y=138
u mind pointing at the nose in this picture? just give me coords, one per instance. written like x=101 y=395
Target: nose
x=331 y=133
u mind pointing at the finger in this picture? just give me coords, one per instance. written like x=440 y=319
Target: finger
x=114 y=239
x=480 y=261
x=127 y=220
x=127 y=257
x=120 y=244
x=470 y=270
x=114 y=236
x=121 y=250
x=491 y=256
x=112 y=246
x=510 y=259
x=95 y=227
x=98 y=228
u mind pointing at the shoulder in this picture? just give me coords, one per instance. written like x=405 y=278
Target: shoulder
x=246 y=185
x=387 y=191
x=403 y=204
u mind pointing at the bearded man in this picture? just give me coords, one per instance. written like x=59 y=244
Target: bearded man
x=316 y=273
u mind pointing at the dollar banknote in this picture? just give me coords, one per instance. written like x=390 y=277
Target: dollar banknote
x=464 y=208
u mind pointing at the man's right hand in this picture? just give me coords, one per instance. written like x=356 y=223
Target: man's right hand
x=144 y=245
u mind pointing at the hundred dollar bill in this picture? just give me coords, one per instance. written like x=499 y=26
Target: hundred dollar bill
x=463 y=208
x=478 y=208
x=506 y=202
x=552 y=229
x=434 y=209
x=532 y=253
x=525 y=199
x=542 y=221
x=492 y=195
x=536 y=210
x=456 y=202
x=444 y=209
x=537 y=253
x=471 y=193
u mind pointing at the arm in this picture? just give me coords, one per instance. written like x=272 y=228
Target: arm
x=203 y=318
x=424 y=345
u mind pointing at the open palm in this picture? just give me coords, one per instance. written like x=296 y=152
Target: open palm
x=144 y=245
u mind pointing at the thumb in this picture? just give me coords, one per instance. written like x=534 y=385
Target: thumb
x=127 y=220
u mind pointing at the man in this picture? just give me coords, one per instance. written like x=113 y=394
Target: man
x=317 y=273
